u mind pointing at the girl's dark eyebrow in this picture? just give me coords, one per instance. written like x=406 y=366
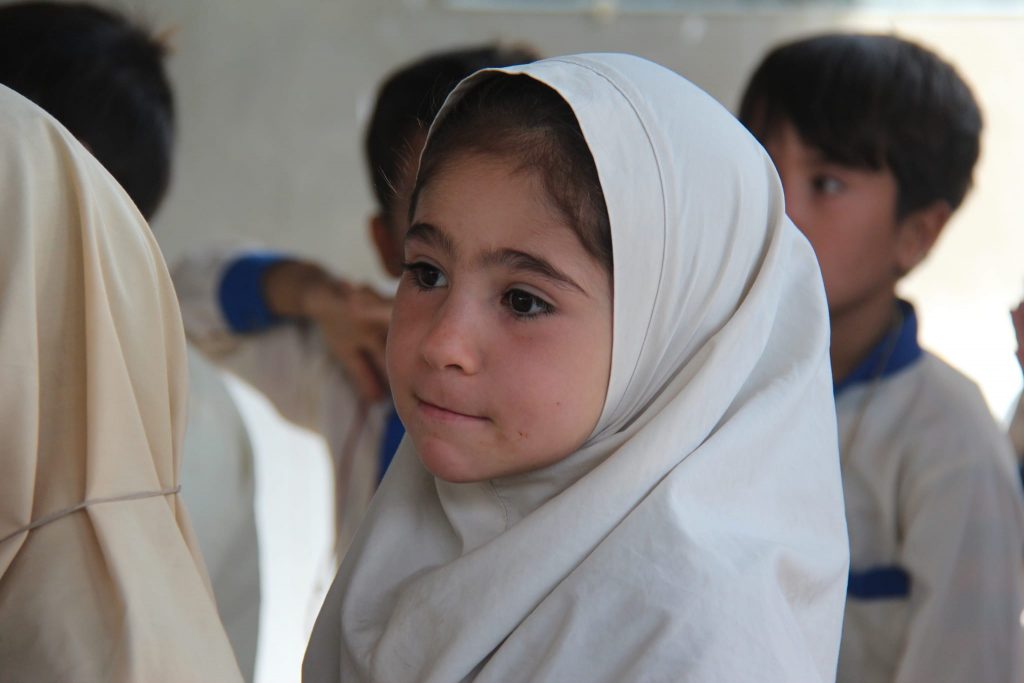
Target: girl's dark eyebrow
x=523 y=261
x=435 y=237
x=509 y=258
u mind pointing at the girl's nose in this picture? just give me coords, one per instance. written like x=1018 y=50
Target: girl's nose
x=452 y=340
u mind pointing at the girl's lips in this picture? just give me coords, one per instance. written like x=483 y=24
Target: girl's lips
x=436 y=412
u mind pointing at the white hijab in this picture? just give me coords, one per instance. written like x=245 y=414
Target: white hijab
x=99 y=578
x=699 y=533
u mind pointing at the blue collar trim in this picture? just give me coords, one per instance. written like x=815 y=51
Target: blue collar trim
x=905 y=352
x=390 y=440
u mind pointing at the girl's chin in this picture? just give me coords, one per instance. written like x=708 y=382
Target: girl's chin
x=449 y=463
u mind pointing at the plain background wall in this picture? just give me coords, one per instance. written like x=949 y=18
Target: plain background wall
x=272 y=100
x=273 y=97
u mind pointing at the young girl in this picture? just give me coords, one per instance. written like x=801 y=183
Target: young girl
x=610 y=353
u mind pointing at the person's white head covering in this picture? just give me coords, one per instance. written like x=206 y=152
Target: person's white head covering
x=99 y=580
x=699 y=534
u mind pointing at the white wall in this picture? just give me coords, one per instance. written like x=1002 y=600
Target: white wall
x=272 y=98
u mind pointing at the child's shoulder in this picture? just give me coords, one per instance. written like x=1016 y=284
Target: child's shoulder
x=945 y=393
x=947 y=421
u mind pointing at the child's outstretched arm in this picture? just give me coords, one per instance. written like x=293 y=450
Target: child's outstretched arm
x=282 y=355
x=353 y=319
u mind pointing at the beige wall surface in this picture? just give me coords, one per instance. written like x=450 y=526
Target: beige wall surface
x=273 y=97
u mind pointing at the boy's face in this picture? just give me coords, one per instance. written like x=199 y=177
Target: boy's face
x=849 y=217
x=499 y=350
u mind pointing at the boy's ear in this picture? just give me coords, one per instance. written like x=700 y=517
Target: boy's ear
x=918 y=232
x=388 y=248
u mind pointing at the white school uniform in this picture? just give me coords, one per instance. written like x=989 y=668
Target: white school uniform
x=217 y=487
x=698 y=534
x=291 y=365
x=1016 y=429
x=936 y=527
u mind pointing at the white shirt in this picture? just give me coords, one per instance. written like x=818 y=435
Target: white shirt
x=217 y=486
x=930 y=491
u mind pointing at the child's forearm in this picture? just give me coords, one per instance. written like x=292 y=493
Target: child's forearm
x=288 y=286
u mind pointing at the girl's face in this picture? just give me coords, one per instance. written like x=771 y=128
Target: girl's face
x=499 y=349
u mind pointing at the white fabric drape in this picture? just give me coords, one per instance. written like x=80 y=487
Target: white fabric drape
x=218 y=488
x=107 y=585
x=699 y=534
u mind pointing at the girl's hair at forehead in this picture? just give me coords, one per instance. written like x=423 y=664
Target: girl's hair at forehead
x=524 y=121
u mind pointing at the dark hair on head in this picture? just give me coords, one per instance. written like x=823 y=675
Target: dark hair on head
x=103 y=79
x=520 y=119
x=873 y=101
x=409 y=99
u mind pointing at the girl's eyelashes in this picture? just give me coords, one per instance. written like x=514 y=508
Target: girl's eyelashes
x=520 y=303
x=525 y=306
x=424 y=275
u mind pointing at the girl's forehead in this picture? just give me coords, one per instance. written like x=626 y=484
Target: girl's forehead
x=475 y=188
x=485 y=215
x=494 y=243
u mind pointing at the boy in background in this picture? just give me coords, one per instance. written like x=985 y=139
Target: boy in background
x=314 y=344
x=875 y=139
x=103 y=78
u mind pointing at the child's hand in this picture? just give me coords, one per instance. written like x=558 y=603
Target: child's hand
x=354 y=322
x=1017 y=316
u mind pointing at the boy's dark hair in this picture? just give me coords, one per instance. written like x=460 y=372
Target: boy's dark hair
x=873 y=101
x=103 y=79
x=519 y=119
x=409 y=99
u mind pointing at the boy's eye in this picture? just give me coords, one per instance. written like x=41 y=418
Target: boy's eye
x=425 y=276
x=526 y=305
x=827 y=184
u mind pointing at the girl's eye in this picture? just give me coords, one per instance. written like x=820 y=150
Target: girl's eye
x=425 y=276
x=827 y=184
x=526 y=305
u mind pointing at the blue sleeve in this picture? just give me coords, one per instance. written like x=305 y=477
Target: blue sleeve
x=241 y=292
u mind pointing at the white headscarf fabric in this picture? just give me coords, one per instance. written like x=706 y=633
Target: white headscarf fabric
x=99 y=579
x=699 y=533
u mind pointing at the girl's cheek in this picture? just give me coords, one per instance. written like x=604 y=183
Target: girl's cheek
x=401 y=341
